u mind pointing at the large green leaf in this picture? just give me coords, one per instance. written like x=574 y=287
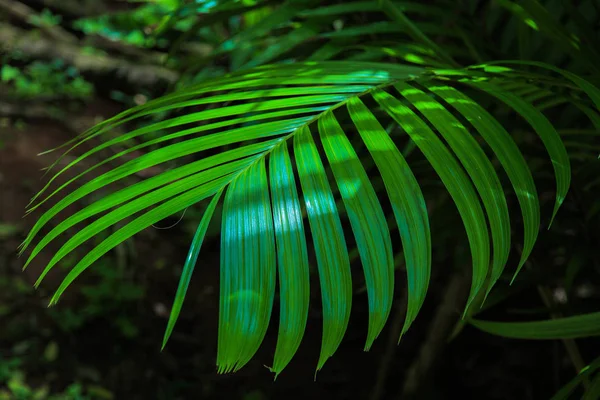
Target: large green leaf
x=367 y=220
x=407 y=202
x=330 y=246
x=546 y=132
x=510 y=157
x=476 y=164
x=188 y=268
x=239 y=145
x=247 y=268
x=453 y=176
x=292 y=257
x=561 y=328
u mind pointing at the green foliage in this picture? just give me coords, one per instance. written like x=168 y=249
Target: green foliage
x=343 y=82
x=8 y=230
x=106 y=27
x=562 y=328
x=112 y=293
x=567 y=390
x=14 y=385
x=327 y=120
x=46 y=79
x=29 y=356
x=45 y=19
x=131 y=27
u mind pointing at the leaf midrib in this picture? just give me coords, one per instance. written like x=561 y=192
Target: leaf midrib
x=285 y=138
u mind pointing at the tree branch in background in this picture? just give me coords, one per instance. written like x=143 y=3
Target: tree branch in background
x=448 y=312
x=33 y=45
x=42 y=111
x=75 y=8
x=378 y=391
x=24 y=13
x=570 y=345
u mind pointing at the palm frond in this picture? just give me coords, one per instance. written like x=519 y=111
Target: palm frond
x=565 y=392
x=242 y=149
x=556 y=26
x=305 y=32
x=561 y=328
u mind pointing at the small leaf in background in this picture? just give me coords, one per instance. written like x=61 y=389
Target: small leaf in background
x=16 y=384
x=75 y=391
x=8 y=230
x=51 y=352
x=100 y=393
x=127 y=327
x=255 y=395
x=21 y=347
x=40 y=393
x=560 y=328
x=9 y=73
x=4 y=310
x=45 y=18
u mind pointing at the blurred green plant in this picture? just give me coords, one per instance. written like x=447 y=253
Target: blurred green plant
x=26 y=366
x=14 y=385
x=111 y=294
x=45 y=19
x=133 y=27
x=45 y=79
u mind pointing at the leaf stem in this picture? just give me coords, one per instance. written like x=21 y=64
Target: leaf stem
x=570 y=345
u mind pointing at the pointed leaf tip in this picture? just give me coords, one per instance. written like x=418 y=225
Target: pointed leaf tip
x=329 y=243
x=367 y=220
x=188 y=268
x=247 y=267
x=292 y=257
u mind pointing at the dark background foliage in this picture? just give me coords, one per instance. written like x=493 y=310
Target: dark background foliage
x=68 y=64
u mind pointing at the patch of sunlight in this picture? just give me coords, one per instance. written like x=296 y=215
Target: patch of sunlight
x=377 y=145
x=310 y=166
x=401 y=110
x=351 y=186
x=428 y=105
x=458 y=125
x=384 y=75
x=253 y=224
x=388 y=51
x=413 y=131
x=408 y=92
x=245 y=296
x=461 y=101
x=496 y=69
x=415 y=137
x=292 y=215
x=324 y=206
x=575 y=41
x=413 y=58
x=531 y=23
x=525 y=193
x=475 y=79
x=449 y=72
